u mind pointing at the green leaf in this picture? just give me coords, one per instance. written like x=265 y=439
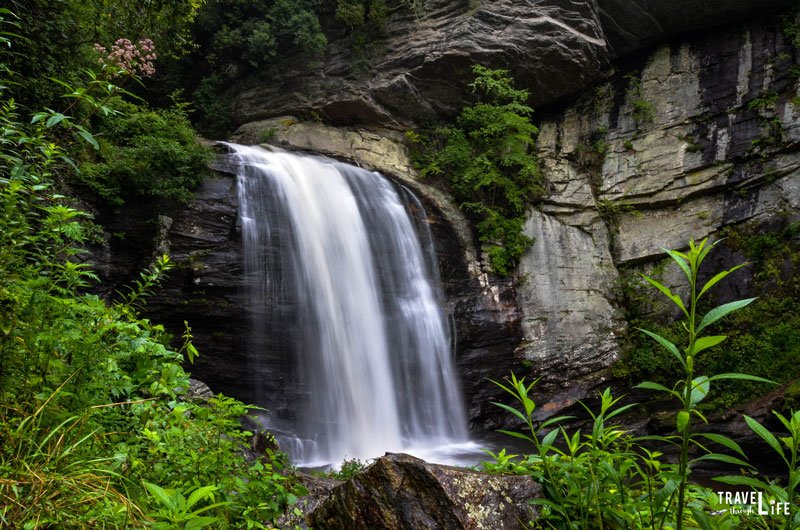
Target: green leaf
x=54 y=120
x=199 y=494
x=551 y=421
x=549 y=438
x=512 y=410
x=620 y=410
x=669 y=294
x=765 y=435
x=722 y=310
x=681 y=259
x=736 y=480
x=163 y=496
x=516 y=435
x=200 y=522
x=713 y=281
x=722 y=458
x=87 y=136
x=702 y=519
x=700 y=388
x=666 y=344
x=741 y=377
x=703 y=343
x=682 y=421
x=724 y=441
x=649 y=385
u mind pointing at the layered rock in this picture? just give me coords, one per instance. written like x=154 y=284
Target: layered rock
x=699 y=134
x=399 y=491
x=695 y=137
x=553 y=47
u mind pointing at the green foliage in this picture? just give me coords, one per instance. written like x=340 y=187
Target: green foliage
x=763 y=338
x=95 y=431
x=145 y=154
x=56 y=38
x=612 y=211
x=692 y=389
x=602 y=478
x=175 y=508
x=788 y=449
x=791 y=27
x=487 y=162
x=267 y=134
x=590 y=153
x=642 y=110
x=607 y=478
x=348 y=469
x=238 y=37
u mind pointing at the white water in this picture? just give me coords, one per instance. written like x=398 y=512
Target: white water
x=334 y=249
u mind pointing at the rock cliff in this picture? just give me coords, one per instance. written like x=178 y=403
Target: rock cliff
x=554 y=48
x=682 y=139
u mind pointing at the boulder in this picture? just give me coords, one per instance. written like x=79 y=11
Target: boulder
x=399 y=491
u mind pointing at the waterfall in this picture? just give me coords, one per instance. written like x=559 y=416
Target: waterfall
x=338 y=276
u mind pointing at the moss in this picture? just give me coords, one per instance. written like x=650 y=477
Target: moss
x=763 y=339
x=590 y=153
x=267 y=134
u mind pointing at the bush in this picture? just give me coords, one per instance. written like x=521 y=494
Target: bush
x=487 y=162
x=93 y=419
x=145 y=154
x=607 y=478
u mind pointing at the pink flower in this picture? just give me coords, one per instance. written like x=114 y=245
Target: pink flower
x=129 y=58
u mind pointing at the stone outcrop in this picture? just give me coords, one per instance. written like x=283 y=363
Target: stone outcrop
x=553 y=47
x=399 y=491
x=204 y=287
x=695 y=137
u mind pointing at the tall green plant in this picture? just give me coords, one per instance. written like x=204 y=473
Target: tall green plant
x=693 y=388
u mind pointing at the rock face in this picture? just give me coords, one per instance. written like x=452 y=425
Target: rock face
x=703 y=137
x=553 y=47
x=204 y=287
x=697 y=135
x=399 y=491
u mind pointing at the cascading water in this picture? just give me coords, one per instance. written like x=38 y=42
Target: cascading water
x=335 y=267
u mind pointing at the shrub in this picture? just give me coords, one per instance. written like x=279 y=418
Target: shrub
x=487 y=162
x=606 y=478
x=92 y=400
x=145 y=154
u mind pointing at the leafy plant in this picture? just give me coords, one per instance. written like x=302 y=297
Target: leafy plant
x=487 y=161
x=694 y=388
x=782 y=500
x=145 y=153
x=607 y=478
x=92 y=400
x=176 y=511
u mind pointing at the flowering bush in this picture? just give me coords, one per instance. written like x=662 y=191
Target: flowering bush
x=131 y=59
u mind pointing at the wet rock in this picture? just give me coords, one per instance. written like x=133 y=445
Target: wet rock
x=204 y=287
x=319 y=489
x=198 y=391
x=672 y=149
x=399 y=491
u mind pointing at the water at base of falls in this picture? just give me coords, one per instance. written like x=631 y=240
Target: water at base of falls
x=340 y=275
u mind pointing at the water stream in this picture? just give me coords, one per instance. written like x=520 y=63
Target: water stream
x=339 y=262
